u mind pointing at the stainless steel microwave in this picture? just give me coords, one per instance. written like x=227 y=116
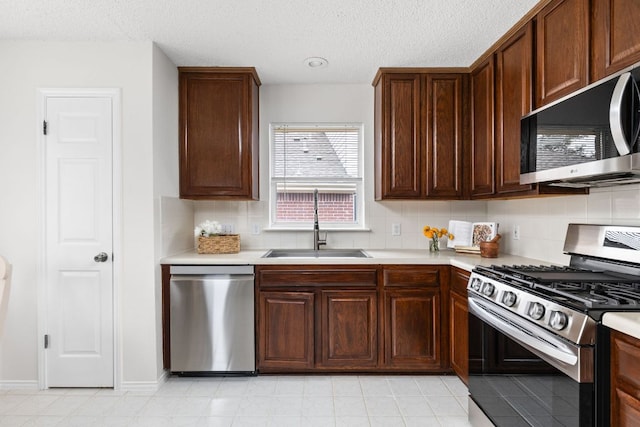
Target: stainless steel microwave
x=587 y=139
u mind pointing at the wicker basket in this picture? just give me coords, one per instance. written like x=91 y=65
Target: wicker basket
x=223 y=244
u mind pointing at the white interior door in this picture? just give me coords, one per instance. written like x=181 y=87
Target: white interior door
x=79 y=242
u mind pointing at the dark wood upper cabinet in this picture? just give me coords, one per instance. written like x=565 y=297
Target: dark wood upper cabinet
x=562 y=46
x=514 y=66
x=615 y=42
x=444 y=134
x=219 y=141
x=398 y=142
x=482 y=129
x=418 y=133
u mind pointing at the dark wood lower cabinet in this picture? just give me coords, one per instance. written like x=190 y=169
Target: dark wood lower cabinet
x=459 y=324
x=412 y=337
x=415 y=318
x=370 y=318
x=625 y=380
x=348 y=336
x=285 y=337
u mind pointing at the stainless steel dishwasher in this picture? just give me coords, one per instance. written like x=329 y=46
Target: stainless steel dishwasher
x=212 y=319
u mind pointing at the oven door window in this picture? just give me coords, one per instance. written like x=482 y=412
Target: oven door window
x=514 y=387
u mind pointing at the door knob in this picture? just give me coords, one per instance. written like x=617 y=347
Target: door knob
x=101 y=257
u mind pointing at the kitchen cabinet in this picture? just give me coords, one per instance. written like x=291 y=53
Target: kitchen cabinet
x=415 y=321
x=398 y=144
x=218 y=122
x=352 y=318
x=349 y=331
x=625 y=380
x=459 y=325
x=326 y=313
x=418 y=133
x=501 y=92
x=286 y=337
x=615 y=42
x=562 y=49
x=482 y=129
x=513 y=91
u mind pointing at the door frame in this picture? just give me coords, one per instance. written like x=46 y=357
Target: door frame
x=42 y=316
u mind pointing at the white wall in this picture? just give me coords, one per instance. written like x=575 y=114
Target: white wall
x=332 y=103
x=27 y=66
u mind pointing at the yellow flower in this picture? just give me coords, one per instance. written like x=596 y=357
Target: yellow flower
x=431 y=232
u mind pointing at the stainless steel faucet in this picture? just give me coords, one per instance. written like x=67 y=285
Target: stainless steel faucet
x=317 y=241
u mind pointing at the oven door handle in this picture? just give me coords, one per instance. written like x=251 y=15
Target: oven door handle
x=501 y=320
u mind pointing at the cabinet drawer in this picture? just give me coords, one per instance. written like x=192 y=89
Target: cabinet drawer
x=459 y=280
x=325 y=276
x=411 y=277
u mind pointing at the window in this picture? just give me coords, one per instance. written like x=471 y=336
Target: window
x=326 y=157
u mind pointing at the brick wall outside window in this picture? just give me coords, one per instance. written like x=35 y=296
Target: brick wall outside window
x=332 y=207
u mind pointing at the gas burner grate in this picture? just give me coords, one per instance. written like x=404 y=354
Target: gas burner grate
x=595 y=295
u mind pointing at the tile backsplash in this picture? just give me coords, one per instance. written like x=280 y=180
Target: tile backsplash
x=542 y=222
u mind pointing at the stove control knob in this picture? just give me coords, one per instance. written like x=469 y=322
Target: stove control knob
x=536 y=311
x=558 y=320
x=487 y=289
x=509 y=298
x=476 y=284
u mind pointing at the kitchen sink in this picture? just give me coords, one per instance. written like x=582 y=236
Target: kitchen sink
x=310 y=253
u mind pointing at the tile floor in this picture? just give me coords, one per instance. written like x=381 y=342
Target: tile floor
x=281 y=401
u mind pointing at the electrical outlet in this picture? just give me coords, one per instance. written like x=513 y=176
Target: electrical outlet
x=516 y=232
x=255 y=229
x=395 y=229
x=228 y=228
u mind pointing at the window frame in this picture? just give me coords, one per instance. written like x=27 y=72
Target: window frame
x=320 y=183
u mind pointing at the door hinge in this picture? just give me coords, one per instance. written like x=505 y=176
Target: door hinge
x=46 y=341
x=44 y=127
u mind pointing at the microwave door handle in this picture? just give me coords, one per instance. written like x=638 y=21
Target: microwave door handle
x=615 y=115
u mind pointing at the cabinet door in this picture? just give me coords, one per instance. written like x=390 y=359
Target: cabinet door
x=348 y=336
x=218 y=135
x=615 y=36
x=562 y=62
x=398 y=137
x=459 y=310
x=444 y=135
x=482 y=118
x=625 y=380
x=412 y=328
x=459 y=332
x=286 y=330
x=513 y=100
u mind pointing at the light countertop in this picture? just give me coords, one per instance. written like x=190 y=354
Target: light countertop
x=628 y=323
x=382 y=256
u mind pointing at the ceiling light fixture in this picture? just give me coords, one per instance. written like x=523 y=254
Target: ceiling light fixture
x=316 y=62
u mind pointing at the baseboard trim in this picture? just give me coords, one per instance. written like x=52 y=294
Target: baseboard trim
x=145 y=386
x=19 y=385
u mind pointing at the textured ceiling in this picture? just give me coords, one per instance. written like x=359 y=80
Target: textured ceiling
x=355 y=36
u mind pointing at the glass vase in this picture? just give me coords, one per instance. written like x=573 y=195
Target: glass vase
x=434 y=244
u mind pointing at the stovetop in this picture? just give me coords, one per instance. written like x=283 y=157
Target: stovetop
x=579 y=289
x=602 y=276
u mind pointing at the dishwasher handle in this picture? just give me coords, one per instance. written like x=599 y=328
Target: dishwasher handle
x=200 y=270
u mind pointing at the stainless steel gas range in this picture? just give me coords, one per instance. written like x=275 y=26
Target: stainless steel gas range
x=538 y=353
